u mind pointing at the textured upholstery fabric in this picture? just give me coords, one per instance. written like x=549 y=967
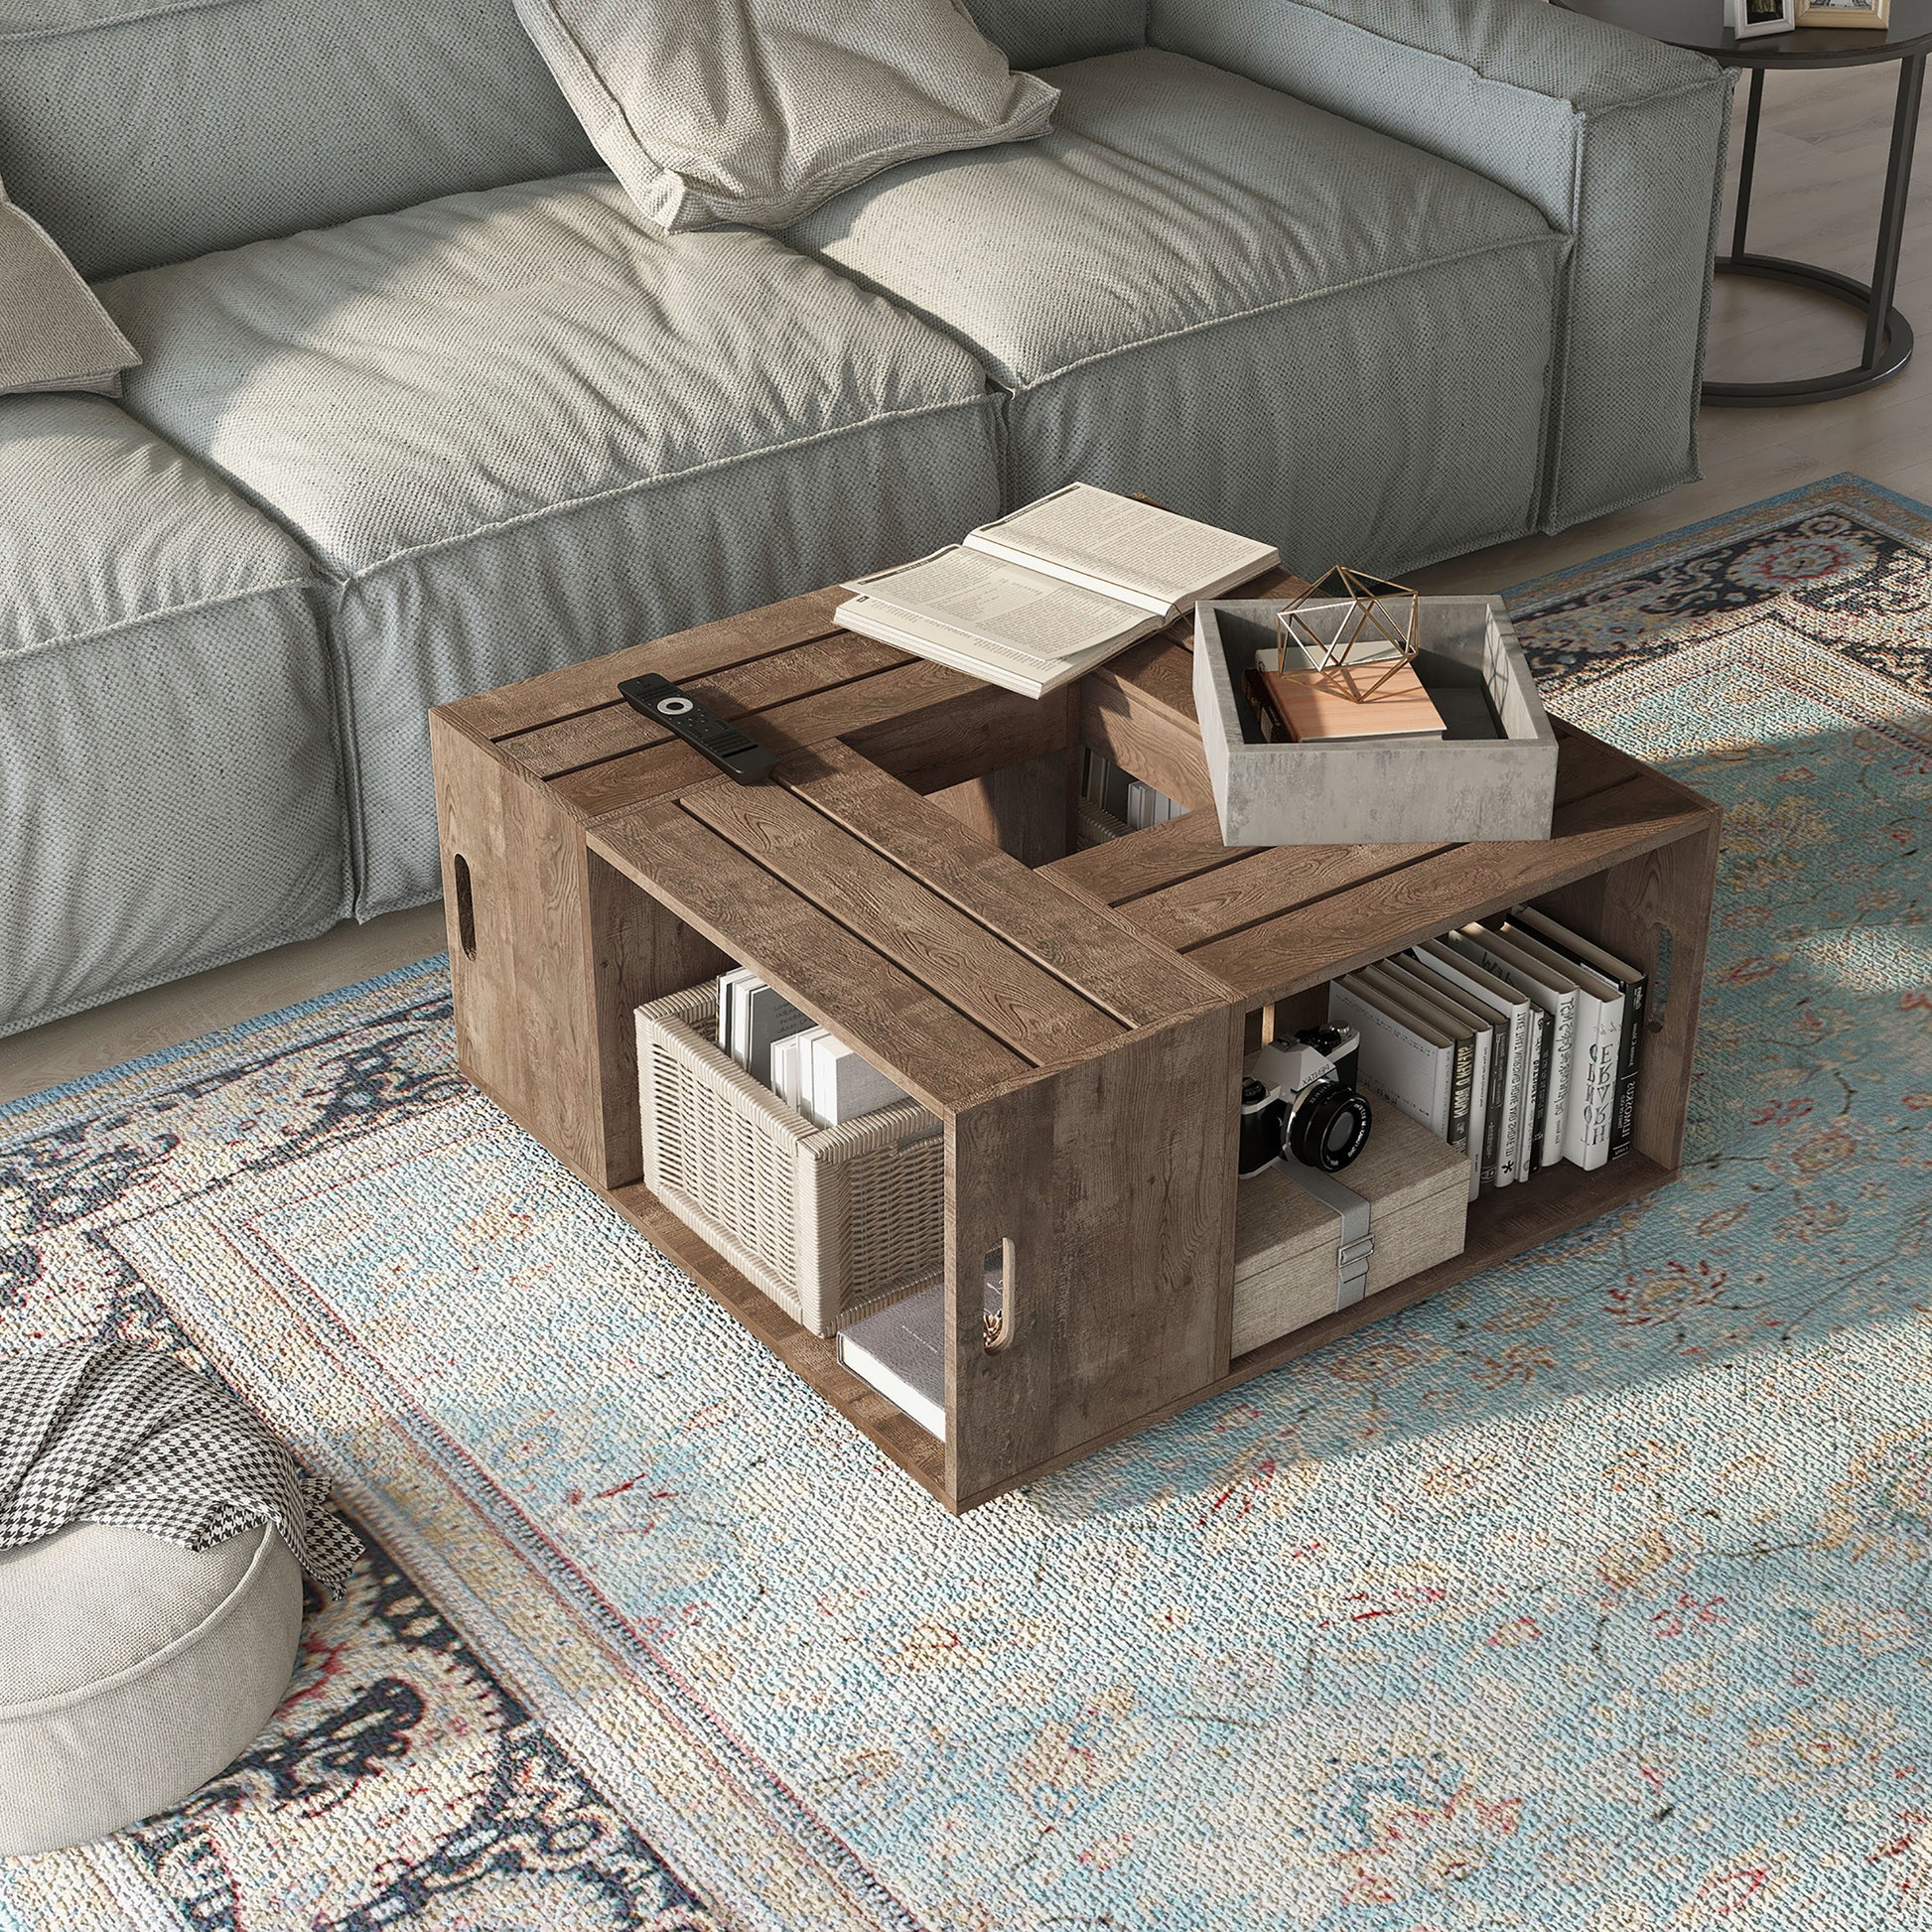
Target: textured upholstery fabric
x=54 y=332
x=519 y=429
x=1261 y=314
x=1046 y=33
x=195 y=128
x=131 y=1672
x=168 y=789
x=758 y=110
x=1619 y=139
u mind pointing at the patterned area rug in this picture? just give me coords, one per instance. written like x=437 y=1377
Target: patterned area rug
x=1590 y=1596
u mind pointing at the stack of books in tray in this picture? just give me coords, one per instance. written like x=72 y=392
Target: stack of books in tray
x=1514 y=1038
x=808 y=1068
x=1035 y=599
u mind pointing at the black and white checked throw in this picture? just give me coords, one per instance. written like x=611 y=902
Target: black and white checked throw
x=104 y=1433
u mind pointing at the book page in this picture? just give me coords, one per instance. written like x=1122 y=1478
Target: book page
x=1031 y=676
x=1002 y=603
x=1163 y=557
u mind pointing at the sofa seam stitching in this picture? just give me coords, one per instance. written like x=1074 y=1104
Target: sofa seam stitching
x=359 y=575
x=68 y=639
x=1552 y=235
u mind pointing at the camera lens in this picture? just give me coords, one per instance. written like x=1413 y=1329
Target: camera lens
x=1329 y=1127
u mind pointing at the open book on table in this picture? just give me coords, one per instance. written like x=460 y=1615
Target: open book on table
x=1037 y=598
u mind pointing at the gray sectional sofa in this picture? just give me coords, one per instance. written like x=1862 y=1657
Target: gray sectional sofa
x=424 y=408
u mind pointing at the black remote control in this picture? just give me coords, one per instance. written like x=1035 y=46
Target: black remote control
x=723 y=743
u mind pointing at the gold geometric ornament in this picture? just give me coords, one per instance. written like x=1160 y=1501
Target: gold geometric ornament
x=1358 y=629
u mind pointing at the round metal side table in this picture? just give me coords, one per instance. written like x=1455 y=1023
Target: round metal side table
x=1700 y=25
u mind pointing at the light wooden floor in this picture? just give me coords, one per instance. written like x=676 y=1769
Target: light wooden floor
x=1820 y=169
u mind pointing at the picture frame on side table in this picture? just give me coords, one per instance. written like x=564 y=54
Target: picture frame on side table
x=1844 y=13
x=1749 y=19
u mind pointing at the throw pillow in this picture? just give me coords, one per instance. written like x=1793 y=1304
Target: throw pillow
x=53 y=333
x=756 y=111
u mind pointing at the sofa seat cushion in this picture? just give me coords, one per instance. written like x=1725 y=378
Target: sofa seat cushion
x=1259 y=311
x=520 y=429
x=167 y=776
x=131 y=1672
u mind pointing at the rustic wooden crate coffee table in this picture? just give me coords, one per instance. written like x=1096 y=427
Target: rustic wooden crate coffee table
x=1077 y=1020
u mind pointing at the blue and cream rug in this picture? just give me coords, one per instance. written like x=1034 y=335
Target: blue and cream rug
x=1592 y=1595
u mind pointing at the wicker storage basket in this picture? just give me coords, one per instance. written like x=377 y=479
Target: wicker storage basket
x=830 y=1221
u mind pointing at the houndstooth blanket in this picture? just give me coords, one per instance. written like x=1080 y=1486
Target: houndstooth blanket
x=104 y=1433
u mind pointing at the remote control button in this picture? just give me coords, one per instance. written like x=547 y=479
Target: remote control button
x=675 y=707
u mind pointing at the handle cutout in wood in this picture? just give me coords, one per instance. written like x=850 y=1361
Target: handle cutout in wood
x=1660 y=982
x=998 y=1329
x=465 y=909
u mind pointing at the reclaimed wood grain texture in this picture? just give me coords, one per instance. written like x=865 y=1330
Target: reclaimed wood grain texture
x=1105 y=956
x=1113 y=1181
x=1026 y=809
x=967 y=964
x=1077 y=1022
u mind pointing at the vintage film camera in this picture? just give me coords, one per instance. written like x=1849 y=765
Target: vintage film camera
x=1299 y=1100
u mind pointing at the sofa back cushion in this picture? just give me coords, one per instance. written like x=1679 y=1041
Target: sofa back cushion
x=139 y=132
x=1045 y=33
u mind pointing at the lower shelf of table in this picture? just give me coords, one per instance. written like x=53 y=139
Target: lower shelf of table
x=1501 y=1225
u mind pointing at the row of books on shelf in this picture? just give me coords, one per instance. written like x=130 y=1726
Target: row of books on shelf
x=1514 y=1038
x=1112 y=804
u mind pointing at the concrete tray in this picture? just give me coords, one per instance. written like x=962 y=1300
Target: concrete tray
x=1368 y=791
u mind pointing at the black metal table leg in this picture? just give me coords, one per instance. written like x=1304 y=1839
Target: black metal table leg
x=1887 y=335
x=1748 y=164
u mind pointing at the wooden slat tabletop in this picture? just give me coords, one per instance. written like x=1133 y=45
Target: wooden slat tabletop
x=846 y=707
x=1395 y=908
x=1262 y=886
x=936 y=1052
x=552 y=695
x=968 y=965
x=1103 y=956
x=740 y=692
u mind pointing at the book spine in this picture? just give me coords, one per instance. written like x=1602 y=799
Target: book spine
x=1592 y=1082
x=1536 y=1090
x=1624 y=1117
x=1462 y=1094
x=1546 y=1132
x=1562 y=1064
x=1496 y=1078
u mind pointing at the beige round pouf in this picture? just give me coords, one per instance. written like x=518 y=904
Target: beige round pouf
x=131 y=1672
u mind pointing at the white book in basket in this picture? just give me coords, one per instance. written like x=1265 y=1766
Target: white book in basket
x=901 y=1351
x=845 y=1085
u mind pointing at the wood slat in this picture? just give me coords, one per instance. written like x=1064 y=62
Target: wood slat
x=554 y=695
x=915 y=687
x=1094 y=950
x=1113 y=1181
x=1371 y=920
x=962 y=731
x=1140 y=713
x=1212 y=906
x=1144 y=862
x=1026 y=809
x=1586 y=765
x=937 y=1054
x=970 y=967
x=742 y=692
